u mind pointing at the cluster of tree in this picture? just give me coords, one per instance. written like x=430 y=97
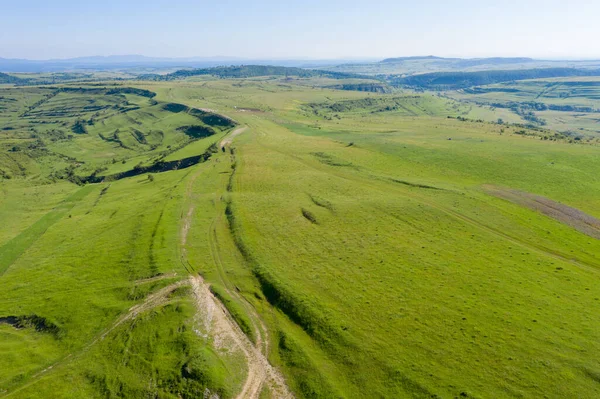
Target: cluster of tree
x=107 y=91
x=485 y=90
x=79 y=127
x=368 y=87
x=206 y=117
x=529 y=116
x=537 y=106
x=139 y=169
x=197 y=131
x=132 y=90
x=377 y=104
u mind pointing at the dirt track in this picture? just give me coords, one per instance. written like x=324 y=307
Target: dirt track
x=218 y=327
x=229 y=138
x=573 y=217
x=226 y=334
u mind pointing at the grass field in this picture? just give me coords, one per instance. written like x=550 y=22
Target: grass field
x=416 y=267
x=358 y=239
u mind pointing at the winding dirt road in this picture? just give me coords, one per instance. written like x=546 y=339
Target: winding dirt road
x=225 y=333
x=218 y=325
x=227 y=140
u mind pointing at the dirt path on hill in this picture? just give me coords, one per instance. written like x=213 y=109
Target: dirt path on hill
x=227 y=140
x=154 y=300
x=262 y=335
x=155 y=278
x=573 y=217
x=226 y=334
x=218 y=325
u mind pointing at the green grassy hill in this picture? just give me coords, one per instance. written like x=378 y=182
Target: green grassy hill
x=72 y=132
x=461 y=80
x=369 y=245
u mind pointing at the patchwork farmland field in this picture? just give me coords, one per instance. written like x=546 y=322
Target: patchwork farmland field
x=355 y=244
x=569 y=105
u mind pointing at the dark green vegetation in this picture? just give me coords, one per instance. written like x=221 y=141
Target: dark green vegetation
x=403 y=105
x=9 y=79
x=370 y=87
x=389 y=243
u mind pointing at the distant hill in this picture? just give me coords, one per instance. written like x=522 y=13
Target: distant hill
x=403 y=66
x=250 y=71
x=463 y=62
x=413 y=58
x=461 y=80
x=466 y=63
x=8 y=79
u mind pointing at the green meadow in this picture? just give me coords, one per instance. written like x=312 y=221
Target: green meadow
x=355 y=238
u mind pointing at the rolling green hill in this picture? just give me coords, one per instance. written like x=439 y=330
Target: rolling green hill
x=265 y=238
x=249 y=71
x=460 y=80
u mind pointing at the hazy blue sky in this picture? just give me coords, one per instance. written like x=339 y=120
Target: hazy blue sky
x=307 y=28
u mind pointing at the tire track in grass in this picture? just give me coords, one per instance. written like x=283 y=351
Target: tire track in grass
x=13 y=249
x=227 y=140
x=225 y=333
x=262 y=338
x=368 y=181
x=222 y=328
x=152 y=301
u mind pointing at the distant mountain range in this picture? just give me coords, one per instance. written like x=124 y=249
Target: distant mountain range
x=140 y=64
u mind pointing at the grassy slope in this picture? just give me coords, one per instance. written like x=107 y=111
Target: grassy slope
x=406 y=291
x=444 y=267
x=96 y=259
x=120 y=131
x=392 y=290
x=22 y=203
x=78 y=258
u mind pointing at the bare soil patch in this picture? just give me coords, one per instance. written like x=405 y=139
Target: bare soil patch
x=229 y=138
x=570 y=216
x=250 y=110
